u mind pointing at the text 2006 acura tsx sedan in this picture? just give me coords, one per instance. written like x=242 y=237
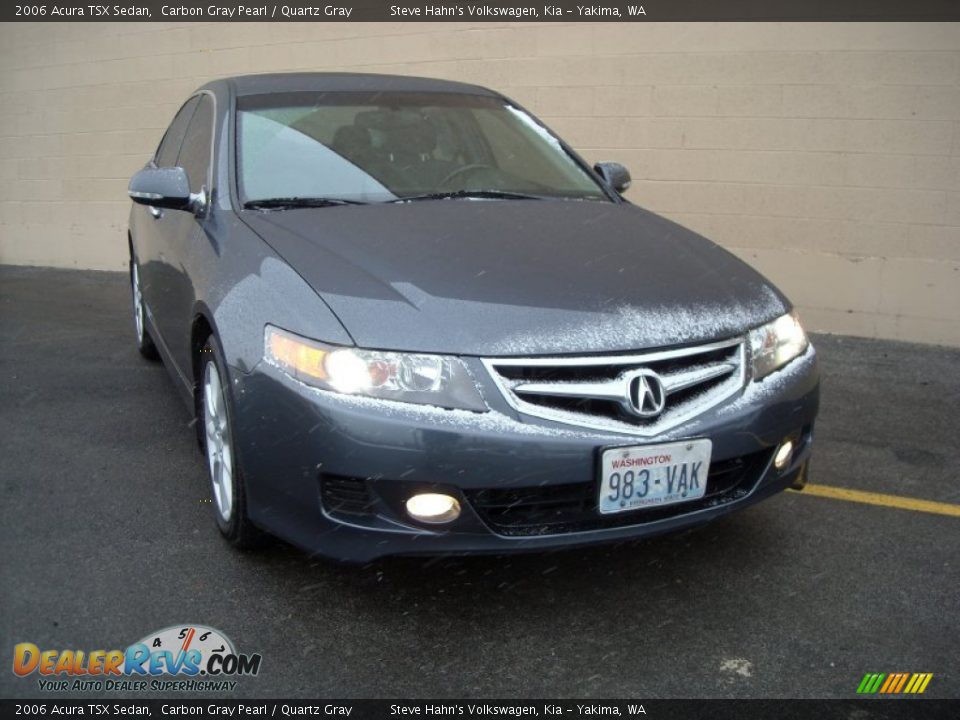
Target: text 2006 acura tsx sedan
x=410 y=319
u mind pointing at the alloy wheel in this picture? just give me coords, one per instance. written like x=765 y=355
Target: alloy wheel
x=137 y=301
x=218 y=445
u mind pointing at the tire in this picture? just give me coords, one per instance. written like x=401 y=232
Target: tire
x=215 y=415
x=145 y=343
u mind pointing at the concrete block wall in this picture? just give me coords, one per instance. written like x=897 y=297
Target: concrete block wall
x=828 y=155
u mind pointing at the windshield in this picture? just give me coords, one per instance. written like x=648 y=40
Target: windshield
x=385 y=147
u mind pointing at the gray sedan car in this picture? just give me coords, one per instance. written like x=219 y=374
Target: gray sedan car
x=410 y=319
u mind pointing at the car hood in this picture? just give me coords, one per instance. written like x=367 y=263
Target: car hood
x=500 y=278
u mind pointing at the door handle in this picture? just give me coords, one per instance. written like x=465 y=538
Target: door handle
x=156 y=212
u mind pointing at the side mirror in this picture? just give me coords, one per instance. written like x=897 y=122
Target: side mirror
x=614 y=174
x=162 y=188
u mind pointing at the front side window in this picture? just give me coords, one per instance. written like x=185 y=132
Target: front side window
x=197 y=143
x=170 y=145
x=380 y=147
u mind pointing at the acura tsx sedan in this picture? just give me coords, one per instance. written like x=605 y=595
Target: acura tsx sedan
x=409 y=319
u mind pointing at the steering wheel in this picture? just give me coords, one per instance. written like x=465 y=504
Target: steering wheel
x=464 y=170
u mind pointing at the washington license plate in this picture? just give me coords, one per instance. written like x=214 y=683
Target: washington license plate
x=653 y=475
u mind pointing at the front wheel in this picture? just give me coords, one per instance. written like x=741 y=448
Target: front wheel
x=144 y=341
x=226 y=483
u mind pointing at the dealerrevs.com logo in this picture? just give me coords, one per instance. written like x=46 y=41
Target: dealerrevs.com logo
x=180 y=657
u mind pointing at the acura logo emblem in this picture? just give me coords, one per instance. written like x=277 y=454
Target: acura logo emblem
x=646 y=396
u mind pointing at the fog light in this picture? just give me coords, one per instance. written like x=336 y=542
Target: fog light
x=783 y=455
x=433 y=508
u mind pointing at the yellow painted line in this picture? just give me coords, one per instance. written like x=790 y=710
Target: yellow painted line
x=893 y=501
x=926 y=681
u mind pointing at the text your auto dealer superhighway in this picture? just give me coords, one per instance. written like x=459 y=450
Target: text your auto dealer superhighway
x=264 y=11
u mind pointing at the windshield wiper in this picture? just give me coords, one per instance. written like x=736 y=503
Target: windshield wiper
x=298 y=202
x=484 y=194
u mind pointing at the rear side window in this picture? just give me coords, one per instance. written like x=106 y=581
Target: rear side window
x=195 y=152
x=170 y=145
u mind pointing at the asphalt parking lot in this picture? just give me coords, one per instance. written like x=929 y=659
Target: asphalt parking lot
x=107 y=536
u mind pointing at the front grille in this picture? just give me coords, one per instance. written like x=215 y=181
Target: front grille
x=342 y=495
x=572 y=507
x=600 y=392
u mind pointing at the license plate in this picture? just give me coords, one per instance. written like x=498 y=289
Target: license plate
x=653 y=475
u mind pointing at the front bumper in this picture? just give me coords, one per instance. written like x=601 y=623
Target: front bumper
x=330 y=473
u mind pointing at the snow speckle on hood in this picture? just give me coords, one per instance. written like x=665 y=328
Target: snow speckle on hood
x=760 y=390
x=649 y=327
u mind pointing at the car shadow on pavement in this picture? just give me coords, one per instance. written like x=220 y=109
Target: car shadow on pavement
x=663 y=567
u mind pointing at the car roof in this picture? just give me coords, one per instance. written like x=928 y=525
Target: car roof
x=346 y=82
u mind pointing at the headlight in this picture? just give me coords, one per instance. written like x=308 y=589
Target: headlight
x=775 y=344
x=439 y=380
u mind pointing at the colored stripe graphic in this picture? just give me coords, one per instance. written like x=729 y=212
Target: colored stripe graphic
x=871 y=683
x=903 y=679
x=918 y=683
x=892 y=679
x=894 y=683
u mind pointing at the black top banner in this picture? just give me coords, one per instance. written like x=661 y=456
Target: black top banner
x=480 y=11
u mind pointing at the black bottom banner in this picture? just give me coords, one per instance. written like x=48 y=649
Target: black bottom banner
x=881 y=709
